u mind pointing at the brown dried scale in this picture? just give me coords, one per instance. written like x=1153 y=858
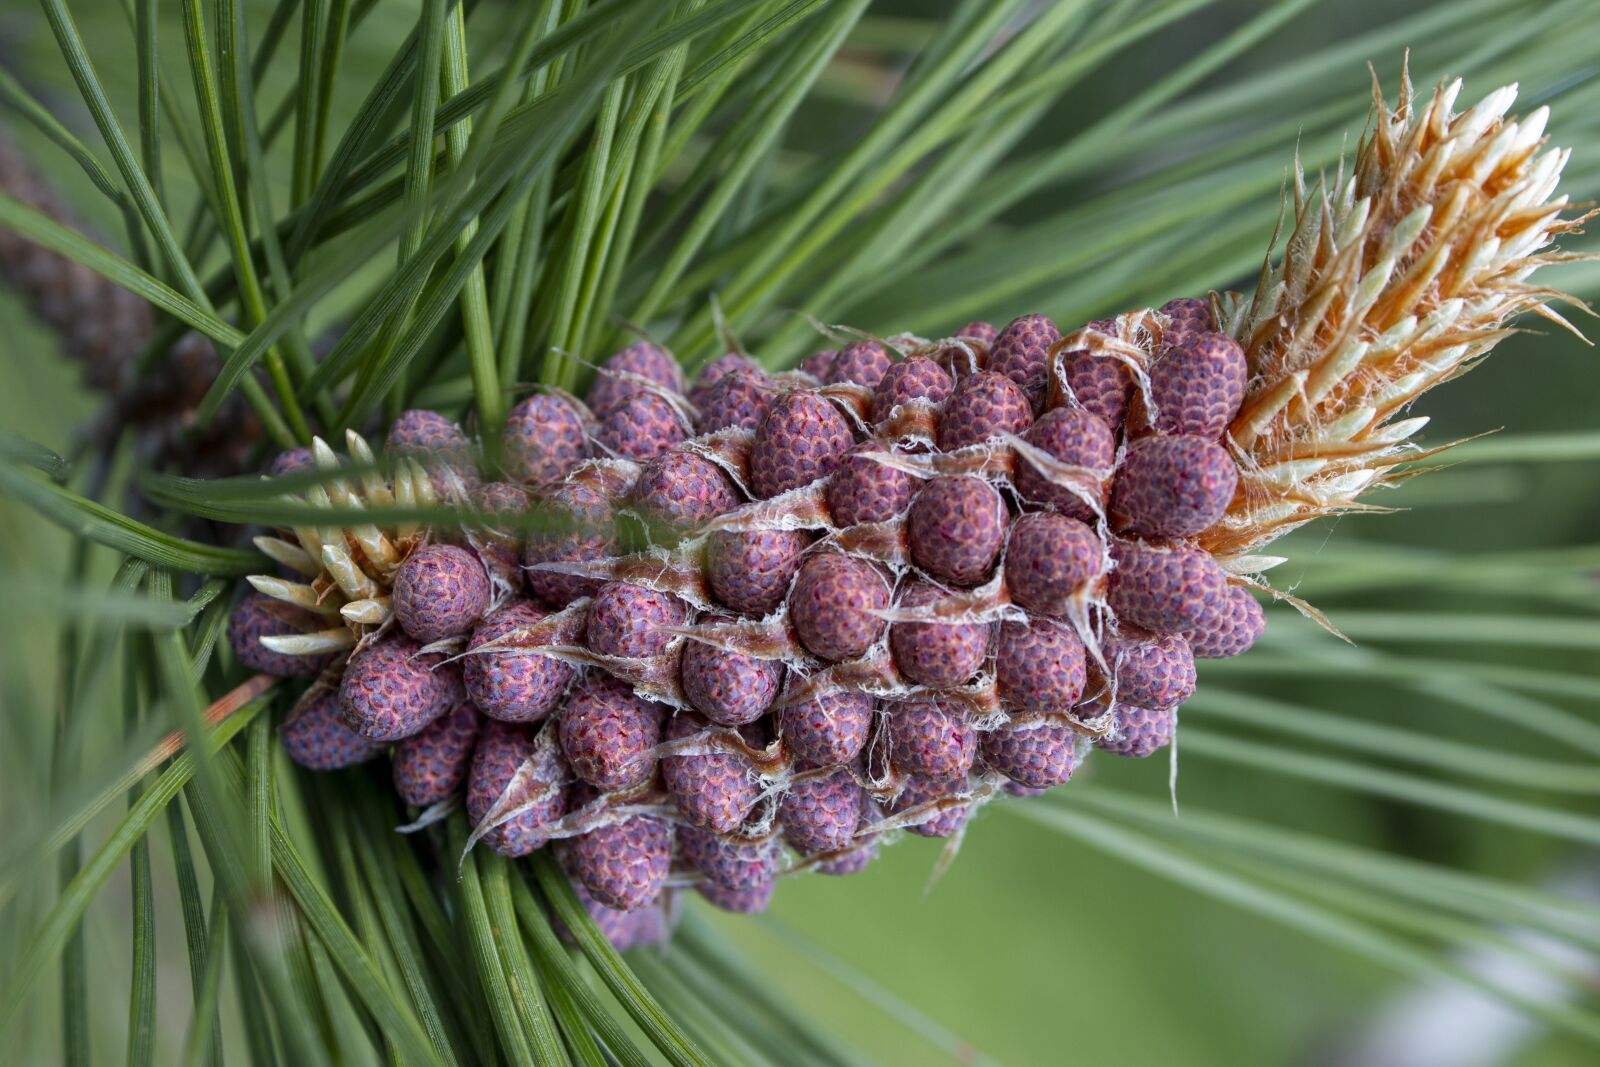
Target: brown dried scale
x=740 y=400
x=316 y=736
x=503 y=749
x=865 y=490
x=715 y=372
x=938 y=654
x=918 y=790
x=1173 y=487
x=863 y=363
x=391 y=690
x=624 y=864
x=1231 y=631
x=630 y=620
x=917 y=378
x=820 y=814
x=1140 y=732
x=1050 y=559
x=642 y=359
x=1035 y=755
x=543 y=440
x=580 y=530
x=1100 y=382
x=729 y=688
x=1022 y=353
x=609 y=733
x=512 y=681
x=834 y=606
x=1198 y=386
x=440 y=591
x=956 y=529
x=1075 y=437
x=983 y=405
x=729 y=860
x=431 y=766
x=929 y=739
x=714 y=791
x=258 y=615
x=750 y=571
x=1039 y=666
x=641 y=427
x=680 y=489
x=1165 y=590
x=827 y=728
x=802 y=439
x=1152 y=670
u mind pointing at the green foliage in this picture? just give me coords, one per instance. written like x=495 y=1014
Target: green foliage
x=476 y=196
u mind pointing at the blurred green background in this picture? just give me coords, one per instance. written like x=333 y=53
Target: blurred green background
x=1034 y=948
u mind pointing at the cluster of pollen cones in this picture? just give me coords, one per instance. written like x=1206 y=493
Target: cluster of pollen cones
x=704 y=635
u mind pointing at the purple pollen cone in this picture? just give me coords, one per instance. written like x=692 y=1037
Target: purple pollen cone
x=1153 y=671
x=609 y=733
x=440 y=591
x=938 y=654
x=918 y=378
x=1074 y=437
x=1039 y=666
x=863 y=363
x=1186 y=318
x=389 y=691
x=956 y=529
x=1166 y=590
x=624 y=864
x=918 y=790
x=834 y=606
x=714 y=373
x=1100 y=383
x=258 y=615
x=581 y=531
x=1022 y=353
x=1232 y=631
x=317 y=738
x=630 y=620
x=984 y=405
x=512 y=681
x=681 y=489
x=820 y=814
x=738 y=401
x=714 y=791
x=802 y=439
x=641 y=427
x=829 y=728
x=732 y=862
x=750 y=571
x=929 y=740
x=543 y=440
x=864 y=490
x=1172 y=487
x=1051 y=559
x=642 y=359
x=1140 y=732
x=432 y=766
x=1199 y=385
x=1034 y=755
x=817 y=363
x=728 y=688
x=502 y=750
x=752 y=901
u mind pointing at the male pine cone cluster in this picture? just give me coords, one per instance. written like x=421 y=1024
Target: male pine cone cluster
x=797 y=609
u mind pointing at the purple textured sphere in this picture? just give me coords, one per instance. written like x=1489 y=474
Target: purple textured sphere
x=864 y=490
x=513 y=682
x=751 y=901
x=1152 y=671
x=937 y=654
x=641 y=427
x=436 y=443
x=750 y=571
x=258 y=615
x=820 y=814
x=503 y=748
x=1039 y=666
x=680 y=489
x=714 y=791
x=918 y=378
x=731 y=861
x=1075 y=437
x=864 y=363
x=714 y=373
x=389 y=691
x=918 y=790
x=978 y=330
x=930 y=740
x=1172 y=487
x=1141 y=732
x=827 y=729
x=501 y=544
x=802 y=439
x=956 y=529
x=609 y=733
x=630 y=620
x=1049 y=560
x=440 y=591
x=624 y=864
x=728 y=688
x=1166 y=590
x=581 y=531
x=317 y=738
x=1186 y=317
x=983 y=405
x=1101 y=383
x=1232 y=631
x=294 y=461
x=817 y=363
x=834 y=605
x=738 y=401
x=1035 y=755
x=1199 y=385
x=432 y=765
x=641 y=360
x=543 y=440
x=1022 y=353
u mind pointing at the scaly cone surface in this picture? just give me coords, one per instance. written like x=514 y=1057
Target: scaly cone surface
x=873 y=593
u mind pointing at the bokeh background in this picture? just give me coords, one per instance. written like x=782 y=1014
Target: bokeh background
x=1035 y=947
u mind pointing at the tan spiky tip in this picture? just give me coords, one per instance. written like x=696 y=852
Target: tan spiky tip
x=1394 y=278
